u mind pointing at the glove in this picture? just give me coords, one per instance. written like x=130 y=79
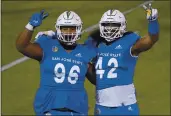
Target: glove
x=36 y=20
x=152 y=14
x=48 y=33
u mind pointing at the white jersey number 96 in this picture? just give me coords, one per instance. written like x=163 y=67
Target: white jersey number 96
x=60 y=73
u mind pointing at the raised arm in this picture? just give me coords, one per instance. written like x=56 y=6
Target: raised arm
x=146 y=42
x=23 y=42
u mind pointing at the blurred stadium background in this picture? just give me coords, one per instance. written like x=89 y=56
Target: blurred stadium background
x=19 y=83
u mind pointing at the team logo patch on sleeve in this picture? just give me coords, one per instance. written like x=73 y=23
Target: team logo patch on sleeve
x=54 y=48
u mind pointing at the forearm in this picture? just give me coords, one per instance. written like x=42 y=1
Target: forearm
x=24 y=39
x=91 y=77
x=153 y=30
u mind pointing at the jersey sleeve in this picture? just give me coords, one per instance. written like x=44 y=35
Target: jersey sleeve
x=91 y=53
x=90 y=42
x=136 y=36
x=42 y=41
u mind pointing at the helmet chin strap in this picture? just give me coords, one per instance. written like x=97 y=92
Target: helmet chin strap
x=109 y=40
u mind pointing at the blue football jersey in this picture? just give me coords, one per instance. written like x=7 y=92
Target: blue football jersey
x=62 y=77
x=114 y=64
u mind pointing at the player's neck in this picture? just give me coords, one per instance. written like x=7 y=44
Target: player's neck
x=111 y=42
x=68 y=48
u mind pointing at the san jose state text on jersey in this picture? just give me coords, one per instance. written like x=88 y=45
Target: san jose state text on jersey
x=115 y=64
x=62 y=77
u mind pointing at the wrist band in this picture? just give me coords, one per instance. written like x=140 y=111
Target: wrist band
x=153 y=27
x=29 y=27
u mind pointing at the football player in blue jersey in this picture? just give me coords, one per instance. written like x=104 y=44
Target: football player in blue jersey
x=118 y=51
x=63 y=65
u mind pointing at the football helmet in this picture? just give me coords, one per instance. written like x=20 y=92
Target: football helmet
x=68 y=19
x=112 y=25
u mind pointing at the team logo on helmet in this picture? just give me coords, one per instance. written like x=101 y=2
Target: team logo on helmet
x=68 y=14
x=54 y=48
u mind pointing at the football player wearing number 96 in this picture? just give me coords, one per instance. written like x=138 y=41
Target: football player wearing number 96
x=63 y=65
x=118 y=51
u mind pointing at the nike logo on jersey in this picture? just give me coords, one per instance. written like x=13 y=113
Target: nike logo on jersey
x=118 y=47
x=78 y=55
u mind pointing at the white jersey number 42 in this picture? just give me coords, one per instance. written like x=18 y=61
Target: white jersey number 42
x=101 y=72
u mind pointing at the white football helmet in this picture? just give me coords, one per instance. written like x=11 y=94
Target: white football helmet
x=112 y=25
x=68 y=18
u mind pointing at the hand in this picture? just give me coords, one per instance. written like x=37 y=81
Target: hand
x=48 y=33
x=152 y=14
x=36 y=19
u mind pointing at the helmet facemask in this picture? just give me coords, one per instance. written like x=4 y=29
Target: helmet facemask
x=68 y=34
x=111 y=30
x=112 y=25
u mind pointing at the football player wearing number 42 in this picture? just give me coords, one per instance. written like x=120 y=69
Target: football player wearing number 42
x=118 y=51
x=63 y=65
